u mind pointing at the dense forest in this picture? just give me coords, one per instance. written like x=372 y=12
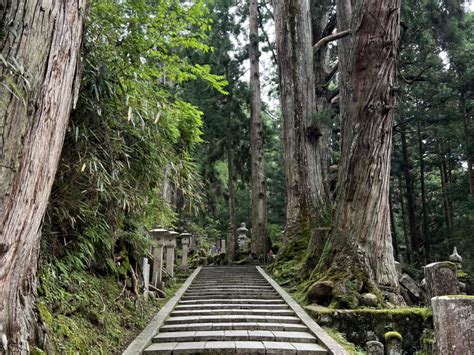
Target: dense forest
x=339 y=131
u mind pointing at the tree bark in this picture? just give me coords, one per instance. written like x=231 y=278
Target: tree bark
x=259 y=184
x=307 y=198
x=44 y=39
x=359 y=251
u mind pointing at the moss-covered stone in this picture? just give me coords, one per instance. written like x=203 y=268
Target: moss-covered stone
x=393 y=335
x=365 y=324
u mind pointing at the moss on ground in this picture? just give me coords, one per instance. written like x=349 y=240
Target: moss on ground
x=85 y=313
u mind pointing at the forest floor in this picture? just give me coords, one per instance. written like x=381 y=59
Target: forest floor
x=85 y=313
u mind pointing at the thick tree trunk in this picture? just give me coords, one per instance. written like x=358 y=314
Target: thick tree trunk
x=359 y=251
x=41 y=41
x=307 y=198
x=259 y=184
x=410 y=197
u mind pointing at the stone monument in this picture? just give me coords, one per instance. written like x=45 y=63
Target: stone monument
x=158 y=235
x=242 y=238
x=441 y=279
x=170 y=244
x=185 y=241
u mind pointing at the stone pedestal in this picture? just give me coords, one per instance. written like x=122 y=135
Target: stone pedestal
x=441 y=279
x=170 y=245
x=158 y=235
x=453 y=318
x=185 y=241
x=375 y=348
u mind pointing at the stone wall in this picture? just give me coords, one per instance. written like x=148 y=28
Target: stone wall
x=363 y=325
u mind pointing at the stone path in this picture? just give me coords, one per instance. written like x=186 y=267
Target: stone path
x=236 y=309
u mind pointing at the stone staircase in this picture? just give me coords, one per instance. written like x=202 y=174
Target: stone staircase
x=234 y=309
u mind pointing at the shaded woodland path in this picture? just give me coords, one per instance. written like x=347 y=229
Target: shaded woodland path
x=232 y=309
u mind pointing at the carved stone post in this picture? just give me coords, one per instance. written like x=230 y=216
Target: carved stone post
x=170 y=244
x=185 y=240
x=146 y=276
x=453 y=318
x=223 y=249
x=158 y=235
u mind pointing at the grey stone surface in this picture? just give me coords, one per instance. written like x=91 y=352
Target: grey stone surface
x=163 y=348
x=375 y=348
x=219 y=347
x=408 y=283
x=145 y=337
x=453 y=319
x=189 y=347
x=302 y=337
x=369 y=299
x=249 y=347
x=441 y=279
x=273 y=347
x=306 y=348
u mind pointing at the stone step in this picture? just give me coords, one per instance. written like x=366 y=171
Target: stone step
x=234 y=300
x=239 y=347
x=242 y=335
x=232 y=318
x=233 y=326
x=233 y=296
x=226 y=287
x=250 y=294
x=203 y=312
x=230 y=306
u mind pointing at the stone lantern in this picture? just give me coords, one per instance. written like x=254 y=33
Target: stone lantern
x=170 y=245
x=242 y=238
x=185 y=240
x=158 y=235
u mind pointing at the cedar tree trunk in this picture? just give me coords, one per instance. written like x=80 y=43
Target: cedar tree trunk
x=359 y=252
x=307 y=197
x=259 y=184
x=41 y=42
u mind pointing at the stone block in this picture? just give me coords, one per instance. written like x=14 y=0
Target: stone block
x=441 y=279
x=409 y=284
x=453 y=318
x=375 y=348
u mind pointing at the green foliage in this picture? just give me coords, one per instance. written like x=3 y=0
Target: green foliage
x=131 y=133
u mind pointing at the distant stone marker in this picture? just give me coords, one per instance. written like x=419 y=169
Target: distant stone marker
x=441 y=279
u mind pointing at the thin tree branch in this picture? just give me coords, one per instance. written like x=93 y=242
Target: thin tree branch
x=330 y=38
x=260 y=22
x=330 y=75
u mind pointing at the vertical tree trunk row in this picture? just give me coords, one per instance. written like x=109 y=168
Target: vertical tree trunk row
x=259 y=184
